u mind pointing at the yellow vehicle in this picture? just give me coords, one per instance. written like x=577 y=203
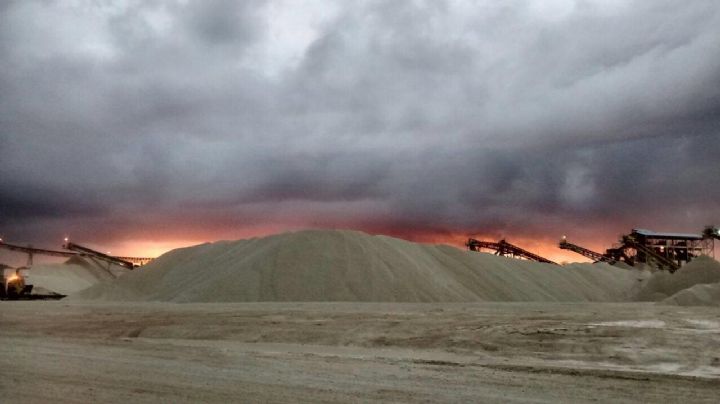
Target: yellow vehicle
x=15 y=283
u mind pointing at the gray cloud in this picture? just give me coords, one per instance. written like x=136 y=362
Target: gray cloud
x=403 y=117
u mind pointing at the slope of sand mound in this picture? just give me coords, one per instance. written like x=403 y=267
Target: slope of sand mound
x=331 y=265
x=663 y=284
x=698 y=295
x=75 y=274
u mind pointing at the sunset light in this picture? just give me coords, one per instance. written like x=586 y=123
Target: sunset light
x=364 y=201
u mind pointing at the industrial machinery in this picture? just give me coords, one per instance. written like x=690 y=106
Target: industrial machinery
x=663 y=250
x=127 y=262
x=649 y=254
x=595 y=256
x=667 y=251
x=84 y=251
x=505 y=249
x=14 y=283
x=75 y=249
x=30 y=251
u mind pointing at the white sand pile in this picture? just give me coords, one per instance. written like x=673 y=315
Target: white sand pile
x=698 y=295
x=75 y=274
x=663 y=284
x=352 y=266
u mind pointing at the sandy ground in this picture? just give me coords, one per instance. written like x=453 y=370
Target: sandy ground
x=358 y=352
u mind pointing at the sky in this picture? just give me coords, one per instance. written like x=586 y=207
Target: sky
x=141 y=126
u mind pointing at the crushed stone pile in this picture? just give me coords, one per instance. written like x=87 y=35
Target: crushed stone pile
x=75 y=274
x=662 y=284
x=340 y=265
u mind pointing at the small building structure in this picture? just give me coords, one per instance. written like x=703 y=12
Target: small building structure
x=678 y=247
x=664 y=250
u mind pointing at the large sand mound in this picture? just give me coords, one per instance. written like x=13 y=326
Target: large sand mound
x=335 y=265
x=698 y=295
x=664 y=284
x=75 y=274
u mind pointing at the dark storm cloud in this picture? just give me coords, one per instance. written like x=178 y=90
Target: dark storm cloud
x=38 y=204
x=523 y=117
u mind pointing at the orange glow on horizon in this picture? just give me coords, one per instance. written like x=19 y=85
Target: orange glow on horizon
x=149 y=249
x=544 y=247
x=159 y=245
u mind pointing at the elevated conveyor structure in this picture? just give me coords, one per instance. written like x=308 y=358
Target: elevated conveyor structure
x=14 y=281
x=505 y=249
x=128 y=262
x=595 y=256
x=136 y=261
x=30 y=251
x=98 y=255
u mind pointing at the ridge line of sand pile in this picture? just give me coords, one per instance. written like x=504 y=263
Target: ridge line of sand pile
x=704 y=294
x=662 y=284
x=340 y=265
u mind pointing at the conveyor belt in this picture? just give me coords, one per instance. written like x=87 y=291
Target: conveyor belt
x=97 y=254
x=595 y=256
x=504 y=248
x=31 y=250
x=128 y=262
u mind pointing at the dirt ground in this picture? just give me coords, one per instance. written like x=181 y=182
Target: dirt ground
x=349 y=352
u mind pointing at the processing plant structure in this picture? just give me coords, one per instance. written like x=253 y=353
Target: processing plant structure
x=16 y=281
x=667 y=251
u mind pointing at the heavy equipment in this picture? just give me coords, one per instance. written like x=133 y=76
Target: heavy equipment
x=14 y=283
x=505 y=249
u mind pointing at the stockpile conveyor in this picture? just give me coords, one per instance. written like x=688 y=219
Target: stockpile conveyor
x=595 y=256
x=30 y=251
x=75 y=249
x=98 y=255
x=505 y=249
